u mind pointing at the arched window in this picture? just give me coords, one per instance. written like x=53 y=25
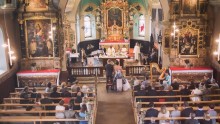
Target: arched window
x=3 y=65
x=87 y=26
x=141 y=30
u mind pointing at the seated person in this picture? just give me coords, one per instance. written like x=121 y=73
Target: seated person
x=206 y=120
x=212 y=113
x=200 y=112
x=55 y=94
x=151 y=112
x=175 y=84
x=197 y=92
x=46 y=100
x=34 y=93
x=186 y=111
x=26 y=95
x=192 y=119
x=174 y=113
x=61 y=108
x=164 y=113
x=48 y=88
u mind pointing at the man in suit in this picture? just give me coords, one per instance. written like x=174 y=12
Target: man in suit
x=55 y=94
x=152 y=92
x=141 y=92
x=151 y=112
x=200 y=112
x=175 y=85
x=109 y=70
x=186 y=111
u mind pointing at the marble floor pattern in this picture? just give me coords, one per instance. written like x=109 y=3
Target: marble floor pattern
x=114 y=107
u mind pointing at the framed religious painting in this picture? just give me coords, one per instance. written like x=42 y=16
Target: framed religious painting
x=188 y=42
x=39 y=38
x=176 y=7
x=189 y=7
x=115 y=17
x=37 y=5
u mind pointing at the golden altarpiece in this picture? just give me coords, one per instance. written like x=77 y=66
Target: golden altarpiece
x=114 y=23
x=187 y=39
x=40 y=40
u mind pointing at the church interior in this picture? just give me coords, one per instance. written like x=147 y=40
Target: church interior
x=109 y=61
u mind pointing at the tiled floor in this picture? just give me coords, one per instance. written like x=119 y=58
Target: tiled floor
x=114 y=107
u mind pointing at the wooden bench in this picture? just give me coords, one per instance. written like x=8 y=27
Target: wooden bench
x=17 y=94
x=36 y=119
x=17 y=99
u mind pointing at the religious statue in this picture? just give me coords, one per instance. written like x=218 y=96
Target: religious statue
x=136 y=51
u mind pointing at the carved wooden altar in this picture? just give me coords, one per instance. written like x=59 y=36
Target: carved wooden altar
x=115 y=19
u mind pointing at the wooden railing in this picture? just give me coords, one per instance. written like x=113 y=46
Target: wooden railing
x=85 y=71
x=137 y=70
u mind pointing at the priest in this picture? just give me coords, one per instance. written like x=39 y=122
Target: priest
x=111 y=51
x=136 y=52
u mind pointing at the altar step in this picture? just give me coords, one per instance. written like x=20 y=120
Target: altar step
x=91 y=80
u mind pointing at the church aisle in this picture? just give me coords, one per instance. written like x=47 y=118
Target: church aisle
x=114 y=107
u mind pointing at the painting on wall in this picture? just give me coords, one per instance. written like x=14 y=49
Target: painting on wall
x=188 y=43
x=115 y=17
x=38 y=36
x=176 y=8
x=189 y=6
x=37 y=5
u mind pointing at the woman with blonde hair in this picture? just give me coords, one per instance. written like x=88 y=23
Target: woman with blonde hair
x=163 y=114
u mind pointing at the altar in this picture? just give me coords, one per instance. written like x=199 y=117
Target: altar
x=38 y=78
x=188 y=74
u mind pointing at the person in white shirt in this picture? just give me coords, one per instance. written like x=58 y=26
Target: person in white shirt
x=163 y=114
x=196 y=92
x=136 y=51
x=60 y=107
x=111 y=51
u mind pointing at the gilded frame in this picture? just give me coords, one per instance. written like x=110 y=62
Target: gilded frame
x=188 y=42
x=39 y=44
x=36 y=5
x=122 y=18
x=189 y=7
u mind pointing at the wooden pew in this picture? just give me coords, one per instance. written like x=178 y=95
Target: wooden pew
x=180 y=103
x=17 y=94
x=19 y=89
x=17 y=99
x=176 y=96
x=35 y=119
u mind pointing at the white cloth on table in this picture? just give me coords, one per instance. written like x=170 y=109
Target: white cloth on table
x=136 y=52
